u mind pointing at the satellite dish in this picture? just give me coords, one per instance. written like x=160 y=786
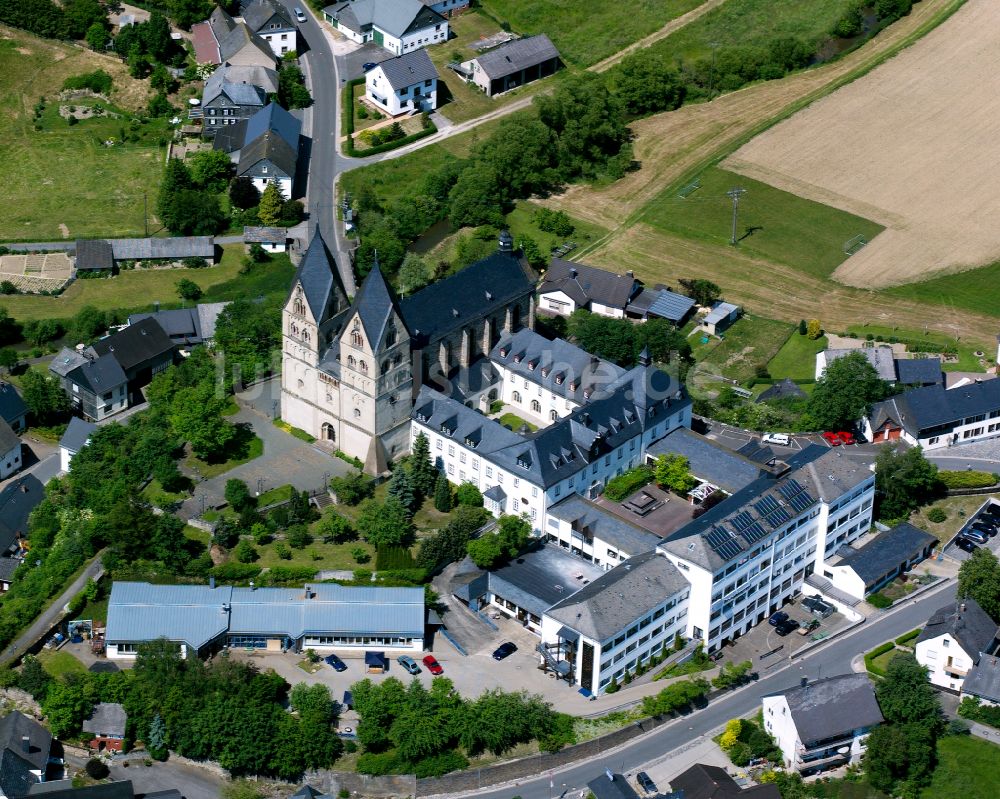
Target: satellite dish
x=843 y=750
x=194 y=101
x=611 y=776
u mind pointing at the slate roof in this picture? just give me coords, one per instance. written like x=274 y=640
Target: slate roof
x=720 y=311
x=886 y=551
x=8 y=438
x=100 y=375
x=78 y=432
x=107 y=718
x=230 y=138
x=408 y=69
x=618 y=788
x=16 y=764
x=395 y=17
x=785 y=388
x=539 y=579
x=274 y=118
x=239 y=37
x=65 y=361
x=8 y=566
x=17 y=500
x=711 y=782
x=708 y=459
x=264 y=235
x=269 y=147
x=609 y=604
x=180 y=324
x=317 y=274
x=63 y=789
x=94 y=254
x=374 y=305
x=833 y=706
x=881 y=359
x=588 y=284
x=587 y=516
x=472 y=293
x=12 y=407
x=974 y=630
x=173 y=248
x=932 y=406
x=919 y=371
x=517 y=55
x=257 y=12
x=208 y=317
x=983 y=679
x=255 y=74
x=136 y=344
x=560 y=367
x=245 y=94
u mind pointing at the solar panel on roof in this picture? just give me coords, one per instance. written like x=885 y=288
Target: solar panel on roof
x=754 y=533
x=742 y=520
x=801 y=501
x=729 y=550
x=778 y=517
x=766 y=504
x=790 y=488
x=717 y=536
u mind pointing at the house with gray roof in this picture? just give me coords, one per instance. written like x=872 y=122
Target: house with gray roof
x=204 y=619
x=273 y=23
x=271 y=239
x=983 y=680
x=720 y=317
x=76 y=437
x=142 y=350
x=904 y=371
x=12 y=408
x=586 y=529
x=823 y=724
x=270 y=151
x=107 y=727
x=96 y=385
x=405 y=84
x=784 y=389
x=861 y=570
x=224 y=40
x=185 y=327
x=399 y=26
x=513 y=64
x=701 y=781
x=953 y=641
x=25 y=755
x=568 y=286
x=660 y=303
x=17 y=500
x=10 y=451
x=226 y=101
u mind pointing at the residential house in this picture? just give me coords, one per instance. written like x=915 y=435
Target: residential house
x=270 y=150
x=17 y=500
x=10 y=451
x=8 y=566
x=142 y=350
x=26 y=755
x=568 y=286
x=933 y=417
x=983 y=680
x=272 y=239
x=905 y=371
x=399 y=26
x=594 y=534
x=186 y=327
x=106 y=726
x=720 y=317
x=660 y=303
x=783 y=389
x=859 y=571
x=76 y=437
x=404 y=84
x=223 y=40
x=273 y=23
x=96 y=385
x=513 y=64
x=611 y=786
x=226 y=102
x=823 y=724
x=711 y=782
x=952 y=642
x=205 y=619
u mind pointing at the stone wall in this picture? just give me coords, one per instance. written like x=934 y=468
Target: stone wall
x=387 y=787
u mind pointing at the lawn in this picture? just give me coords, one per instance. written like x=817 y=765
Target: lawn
x=458 y=100
x=395 y=178
x=64 y=175
x=588 y=32
x=773 y=224
x=243 y=448
x=975 y=290
x=95 y=611
x=316 y=555
x=966 y=769
x=966 y=359
x=796 y=358
x=750 y=342
x=138 y=289
x=162 y=499
x=514 y=422
x=521 y=222
x=59 y=664
x=958 y=509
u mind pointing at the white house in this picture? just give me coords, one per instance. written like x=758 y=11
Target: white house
x=952 y=641
x=589 y=531
x=404 y=84
x=271 y=149
x=823 y=724
x=76 y=437
x=399 y=26
x=568 y=286
x=273 y=23
x=271 y=239
x=10 y=451
x=906 y=371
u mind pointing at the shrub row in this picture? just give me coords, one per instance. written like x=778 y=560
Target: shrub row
x=904 y=640
x=618 y=488
x=350 y=150
x=870 y=657
x=347 y=105
x=970 y=479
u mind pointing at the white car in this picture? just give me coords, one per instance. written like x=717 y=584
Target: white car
x=300 y=14
x=776 y=438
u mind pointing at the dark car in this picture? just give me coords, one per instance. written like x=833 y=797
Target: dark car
x=976 y=535
x=369 y=65
x=992 y=510
x=966 y=545
x=785 y=627
x=432 y=665
x=777 y=618
x=504 y=650
x=985 y=522
x=985 y=529
x=335 y=663
x=645 y=782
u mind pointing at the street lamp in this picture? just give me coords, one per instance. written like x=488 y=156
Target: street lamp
x=260 y=486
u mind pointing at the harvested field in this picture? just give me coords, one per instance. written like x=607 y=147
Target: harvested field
x=911 y=146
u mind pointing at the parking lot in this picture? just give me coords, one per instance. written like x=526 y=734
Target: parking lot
x=951 y=550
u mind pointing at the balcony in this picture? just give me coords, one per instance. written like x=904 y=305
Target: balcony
x=955 y=671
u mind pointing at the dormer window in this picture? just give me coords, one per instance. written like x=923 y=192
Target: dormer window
x=503 y=352
x=421 y=416
x=471 y=443
x=532 y=364
x=445 y=430
x=517 y=358
x=574 y=385
x=559 y=378
x=545 y=371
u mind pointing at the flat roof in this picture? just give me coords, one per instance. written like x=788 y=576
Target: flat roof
x=539 y=579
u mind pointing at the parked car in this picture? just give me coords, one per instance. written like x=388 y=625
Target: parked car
x=966 y=545
x=984 y=527
x=504 y=650
x=432 y=665
x=777 y=618
x=408 y=663
x=336 y=663
x=781 y=439
x=832 y=439
x=993 y=510
x=300 y=14
x=368 y=65
x=976 y=535
x=845 y=437
x=645 y=782
x=808 y=627
x=787 y=626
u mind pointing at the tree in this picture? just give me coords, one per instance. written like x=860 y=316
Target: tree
x=243 y=194
x=292 y=91
x=803 y=327
x=211 y=169
x=238 y=495
x=520 y=153
x=468 y=494
x=9 y=359
x=297 y=536
x=414 y=273
x=442 y=494
x=814 y=329
x=335 y=529
x=448 y=544
x=422 y=470
x=187 y=12
x=385 y=524
x=845 y=393
x=646 y=84
x=674 y=472
x=81 y=14
x=159 y=105
x=475 y=199
x=156 y=741
x=703 y=292
x=188 y=289
x=41 y=331
x=904 y=480
x=979 y=580
x=44 y=397
x=96 y=36
x=10 y=330
x=196 y=416
x=401 y=489
x=269 y=210
x=905 y=696
x=352 y=488
x=493 y=549
x=248 y=334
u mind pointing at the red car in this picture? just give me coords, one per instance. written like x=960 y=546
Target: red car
x=846 y=438
x=832 y=439
x=432 y=665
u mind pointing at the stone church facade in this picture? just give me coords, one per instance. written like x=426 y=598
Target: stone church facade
x=351 y=371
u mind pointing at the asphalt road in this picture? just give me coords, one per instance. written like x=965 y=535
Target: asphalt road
x=826 y=660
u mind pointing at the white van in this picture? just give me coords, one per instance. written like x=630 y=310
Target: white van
x=299 y=14
x=781 y=439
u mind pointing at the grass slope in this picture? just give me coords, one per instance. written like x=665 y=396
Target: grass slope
x=967 y=769
x=796 y=358
x=586 y=32
x=64 y=175
x=773 y=224
x=750 y=342
x=976 y=290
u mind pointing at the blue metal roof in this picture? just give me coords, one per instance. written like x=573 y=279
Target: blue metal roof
x=672 y=306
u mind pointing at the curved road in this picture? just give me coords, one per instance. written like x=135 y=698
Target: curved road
x=827 y=659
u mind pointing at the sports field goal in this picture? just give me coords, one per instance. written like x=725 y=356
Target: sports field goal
x=851 y=246
x=691 y=187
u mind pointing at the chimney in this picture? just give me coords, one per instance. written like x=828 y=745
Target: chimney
x=961 y=608
x=252 y=586
x=573 y=273
x=803 y=682
x=24 y=488
x=630 y=274
x=506 y=242
x=25 y=744
x=211 y=582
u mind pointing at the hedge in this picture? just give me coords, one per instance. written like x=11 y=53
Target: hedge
x=618 y=488
x=968 y=479
x=235 y=571
x=350 y=150
x=347 y=105
x=870 y=657
x=287 y=574
x=904 y=640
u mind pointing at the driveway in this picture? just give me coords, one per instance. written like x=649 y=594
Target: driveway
x=350 y=62
x=193 y=782
x=953 y=552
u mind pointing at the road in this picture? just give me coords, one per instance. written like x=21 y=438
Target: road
x=826 y=660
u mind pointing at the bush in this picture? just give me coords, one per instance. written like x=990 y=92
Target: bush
x=967 y=479
x=618 y=488
x=879 y=600
x=468 y=494
x=379 y=763
x=352 y=488
x=936 y=515
x=360 y=555
x=436 y=765
x=235 y=572
x=98 y=81
x=905 y=640
x=96 y=769
x=385 y=146
x=870 y=657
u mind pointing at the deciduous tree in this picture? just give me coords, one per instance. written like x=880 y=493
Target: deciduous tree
x=904 y=480
x=844 y=394
x=979 y=579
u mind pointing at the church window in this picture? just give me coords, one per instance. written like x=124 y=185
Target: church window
x=390 y=338
x=299 y=307
x=397 y=360
x=356 y=339
x=553 y=415
x=351 y=361
x=516 y=396
x=364 y=366
x=329 y=397
x=357 y=413
x=301 y=384
x=536 y=406
x=385 y=367
x=295 y=329
x=305 y=336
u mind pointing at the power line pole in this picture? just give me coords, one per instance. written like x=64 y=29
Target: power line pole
x=735 y=193
x=145 y=214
